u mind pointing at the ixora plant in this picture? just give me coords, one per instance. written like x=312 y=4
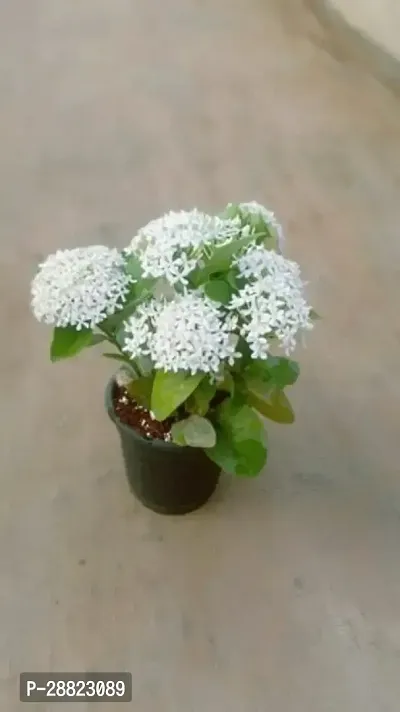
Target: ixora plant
x=197 y=310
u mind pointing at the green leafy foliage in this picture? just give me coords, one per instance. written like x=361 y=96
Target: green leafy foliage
x=218 y=290
x=314 y=316
x=231 y=211
x=274 y=405
x=170 y=390
x=133 y=267
x=68 y=341
x=142 y=285
x=194 y=431
x=265 y=232
x=276 y=371
x=263 y=382
x=98 y=339
x=199 y=401
x=118 y=357
x=227 y=385
x=113 y=323
x=240 y=448
x=220 y=260
x=138 y=292
x=140 y=389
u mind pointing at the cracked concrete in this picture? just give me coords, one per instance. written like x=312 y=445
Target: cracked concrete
x=283 y=593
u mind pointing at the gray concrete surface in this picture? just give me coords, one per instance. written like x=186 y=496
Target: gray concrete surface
x=283 y=594
x=379 y=20
x=349 y=40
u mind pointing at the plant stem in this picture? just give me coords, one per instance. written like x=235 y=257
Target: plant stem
x=113 y=341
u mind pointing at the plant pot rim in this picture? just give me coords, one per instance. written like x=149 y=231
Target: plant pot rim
x=150 y=442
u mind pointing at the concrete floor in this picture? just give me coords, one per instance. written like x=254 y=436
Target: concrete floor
x=283 y=594
x=379 y=20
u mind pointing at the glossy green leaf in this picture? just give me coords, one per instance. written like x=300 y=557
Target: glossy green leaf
x=251 y=458
x=98 y=339
x=133 y=267
x=67 y=342
x=314 y=316
x=194 y=431
x=114 y=322
x=240 y=448
x=273 y=405
x=218 y=290
x=199 y=401
x=140 y=390
x=141 y=285
x=233 y=278
x=170 y=390
x=227 y=384
x=241 y=420
x=220 y=260
x=231 y=211
x=276 y=371
x=117 y=357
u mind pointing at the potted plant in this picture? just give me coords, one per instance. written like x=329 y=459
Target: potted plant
x=196 y=309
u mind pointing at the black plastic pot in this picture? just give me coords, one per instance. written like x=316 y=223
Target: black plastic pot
x=166 y=478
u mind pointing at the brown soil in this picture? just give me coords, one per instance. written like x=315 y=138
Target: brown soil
x=138 y=417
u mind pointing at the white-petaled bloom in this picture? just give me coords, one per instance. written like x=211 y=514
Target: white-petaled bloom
x=271 y=305
x=171 y=245
x=267 y=216
x=190 y=333
x=79 y=287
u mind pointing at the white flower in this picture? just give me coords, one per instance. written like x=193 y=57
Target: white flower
x=190 y=333
x=172 y=245
x=267 y=216
x=79 y=287
x=271 y=305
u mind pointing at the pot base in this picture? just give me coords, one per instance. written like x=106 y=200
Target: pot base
x=164 y=477
x=177 y=480
x=171 y=510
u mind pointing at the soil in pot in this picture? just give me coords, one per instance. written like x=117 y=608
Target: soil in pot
x=138 y=418
x=165 y=477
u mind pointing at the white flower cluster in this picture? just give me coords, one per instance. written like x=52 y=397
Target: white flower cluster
x=171 y=246
x=79 y=287
x=190 y=333
x=271 y=305
x=267 y=216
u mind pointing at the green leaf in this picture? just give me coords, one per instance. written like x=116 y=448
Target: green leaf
x=141 y=285
x=223 y=453
x=232 y=277
x=227 y=385
x=241 y=420
x=68 y=341
x=231 y=211
x=113 y=323
x=170 y=390
x=118 y=357
x=138 y=293
x=140 y=389
x=144 y=288
x=251 y=458
x=98 y=339
x=218 y=290
x=273 y=405
x=314 y=315
x=274 y=370
x=194 y=432
x=220 y=260
x=199 y=401
x=133 y=267
x=246 y=357
x=240 y=448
